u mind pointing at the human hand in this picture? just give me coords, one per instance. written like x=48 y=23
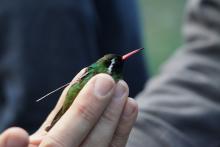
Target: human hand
x=101 y=115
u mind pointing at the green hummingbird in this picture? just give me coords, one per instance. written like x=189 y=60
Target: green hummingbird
x=111 y=64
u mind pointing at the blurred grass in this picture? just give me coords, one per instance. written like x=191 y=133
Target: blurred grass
x=161 y=22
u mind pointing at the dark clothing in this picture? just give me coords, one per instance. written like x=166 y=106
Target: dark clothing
x=181 y=106
x=43 y=44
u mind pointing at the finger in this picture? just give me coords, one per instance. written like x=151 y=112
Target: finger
x=41 y=131
x=35 y=139
x=101 y=135
x=31 y=145
x=80 y=118
x=126 y=122
x=14 y=137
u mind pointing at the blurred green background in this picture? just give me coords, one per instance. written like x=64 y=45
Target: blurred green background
x=161 y=22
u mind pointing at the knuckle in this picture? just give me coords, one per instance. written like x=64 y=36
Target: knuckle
x=109 y=116
x=119 y=140
x=87 y=112
x=120 y=136
x=52 y=142
x=115 y=144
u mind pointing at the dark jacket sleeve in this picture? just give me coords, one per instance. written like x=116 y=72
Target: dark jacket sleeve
x=181 y=106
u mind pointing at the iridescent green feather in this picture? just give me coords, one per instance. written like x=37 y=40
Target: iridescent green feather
x=103 y=65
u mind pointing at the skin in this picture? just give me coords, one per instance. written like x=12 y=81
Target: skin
x=102 y=115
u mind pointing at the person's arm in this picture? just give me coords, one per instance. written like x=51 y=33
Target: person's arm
x=181 y=106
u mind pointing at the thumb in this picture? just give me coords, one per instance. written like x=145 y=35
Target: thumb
x=14 y=137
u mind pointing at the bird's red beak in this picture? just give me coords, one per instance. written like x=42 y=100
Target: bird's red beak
x=126 y=56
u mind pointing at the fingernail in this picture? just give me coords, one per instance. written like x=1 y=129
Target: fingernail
x=120 y=89
x=130 y=107
x=103 y=85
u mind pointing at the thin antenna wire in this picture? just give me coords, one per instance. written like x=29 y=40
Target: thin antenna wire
x=52 y=92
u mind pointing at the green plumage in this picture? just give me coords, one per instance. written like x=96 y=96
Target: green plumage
x=110 y=64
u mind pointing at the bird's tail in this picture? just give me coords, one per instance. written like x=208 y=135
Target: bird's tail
x=54 y=121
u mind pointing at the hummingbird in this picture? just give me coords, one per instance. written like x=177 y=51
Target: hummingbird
x=111 y=64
